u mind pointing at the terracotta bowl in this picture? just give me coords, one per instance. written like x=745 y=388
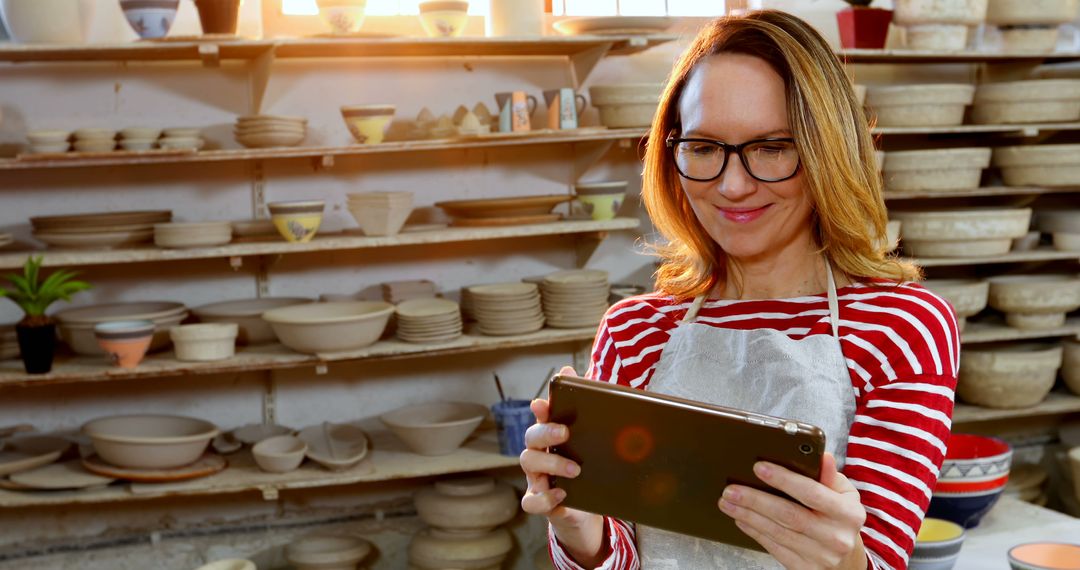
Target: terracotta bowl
x=330 y=327
x=437 y=428
x=150 y=441
x=279 y=454
x=1045 y=556
x=125 y=342
x=247 y=314
x=973 y=476
x=327 y=552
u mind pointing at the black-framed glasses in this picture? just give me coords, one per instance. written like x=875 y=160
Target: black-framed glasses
x=704 y=160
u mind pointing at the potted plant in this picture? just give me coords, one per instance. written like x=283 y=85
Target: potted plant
x=37 y=331
x=863 y=27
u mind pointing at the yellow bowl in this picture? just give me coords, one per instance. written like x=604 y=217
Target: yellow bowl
x=938 y=530
x=601 y=206
x=368 y=123
x=444 y=18
x=297 y=222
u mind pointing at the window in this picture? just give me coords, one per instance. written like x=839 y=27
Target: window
x=559 y=7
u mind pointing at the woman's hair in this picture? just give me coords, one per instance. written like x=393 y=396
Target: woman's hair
x=832 y=135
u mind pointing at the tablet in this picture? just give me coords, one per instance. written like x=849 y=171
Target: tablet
x=663 y=461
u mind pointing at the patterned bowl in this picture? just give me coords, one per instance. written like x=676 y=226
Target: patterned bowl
x=151 y=19
x=937 y=546
x=973 y=476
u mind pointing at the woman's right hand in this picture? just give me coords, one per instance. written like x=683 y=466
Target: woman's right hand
x=581 y=533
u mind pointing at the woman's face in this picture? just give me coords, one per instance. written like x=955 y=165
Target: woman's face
x=734 y=98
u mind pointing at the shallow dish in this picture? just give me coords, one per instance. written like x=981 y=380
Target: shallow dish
x=150 y=441
x=101 y=219
x=247 y=314
x=335 y=446
x=59 y=476
x=503 y=207
x=30 y=452
x=279 y=454
x=95 y=240
x=330 y=327
x=613 y=25
x=436 y=428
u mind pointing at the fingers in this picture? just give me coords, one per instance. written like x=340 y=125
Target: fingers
x=535 y=461
x=754 y=505
x=543 y=502
x=567 y=371
x=785 y=556
x=831 y=476
x=545 y=435
x=800 y=487
x=540 y=409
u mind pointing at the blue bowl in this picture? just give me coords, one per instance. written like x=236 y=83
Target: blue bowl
x=964 y=509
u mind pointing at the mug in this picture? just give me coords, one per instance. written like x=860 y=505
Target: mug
x=515 y=108
x=563 y=107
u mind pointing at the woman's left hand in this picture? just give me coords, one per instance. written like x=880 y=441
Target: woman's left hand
x=820 y=530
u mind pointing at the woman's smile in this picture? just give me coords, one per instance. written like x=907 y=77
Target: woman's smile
x=743 y=215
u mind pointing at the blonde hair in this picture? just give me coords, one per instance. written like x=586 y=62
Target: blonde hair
x=836 y=151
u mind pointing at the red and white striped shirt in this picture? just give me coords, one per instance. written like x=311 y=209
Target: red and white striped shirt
x=902 y=347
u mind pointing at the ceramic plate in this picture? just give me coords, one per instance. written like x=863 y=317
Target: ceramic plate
x=529 y=206
x=132 y=311
x=207 y=465
x=506 y=221
x=426 y=308
x=361 y=35
x=102 y=219
x=614 y=25
x=502 y=290
x=66 y=475
x=102 y=240
x=29 y=452
x=579 y=276
x=87 y=155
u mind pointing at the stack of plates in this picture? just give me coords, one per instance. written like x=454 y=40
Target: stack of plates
x=6 y=239
x=395 y=292
x=504 y=211
x=506 y=308
x=428 y=320
x=99 y=231
x=9 y=343
x=263 y=131
x=575 y=299
x=77 y=324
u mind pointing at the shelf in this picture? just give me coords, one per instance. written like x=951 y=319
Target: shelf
x=1055 y=403
x=322 y=242
x=1027 y=130
x=325 y=155
x=976 y=332
x=78 y=369
x=1043 y=254
x=916 y=56
x=389 y=460
x=321 y=48
x=979 y=192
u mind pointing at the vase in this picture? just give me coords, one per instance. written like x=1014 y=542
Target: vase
x=863 y=28
x=37 y=345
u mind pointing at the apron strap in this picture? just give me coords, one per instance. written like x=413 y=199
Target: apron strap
x=694 y=309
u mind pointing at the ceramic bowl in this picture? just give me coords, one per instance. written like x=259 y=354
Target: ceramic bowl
x=937 y=546
x=48 y=137
x=381 y=216
x=1019 y=12
x=1031 y=101
x=967 y=296
x=935 y=170
x=181 y=143
x=368 y=123
x=141 y=133
x=1029 y=39
x=1066 y=241
x=95 y=145
x=968 y=12
x=1008 y=375
x=437 y=428
x=330 y=327
x=1039 y=165
x=279 y=454
x=182 y=132
x=270 y=139
x=936 y=37
x=335 y=446
x=138 y=144
x=343 y=16
x=50 y=148
x=150 y=441
x=125 y=342
x=932 y=105
x=601 y=206
x=297 y=221
x=230 y=564
x=47 y=21
x=327 y=552
x=444 y=18
x=204 y=342
x=247 y=314
x=968 y=231
x=475 y=503
x=192 y=234
x=151 y=19
x=1035 y=301
x=253 y=228
x=1045 y=556
x=437 y=548
x=973 y=476
x=626 y=105
x=94 y=134
x=76 y=325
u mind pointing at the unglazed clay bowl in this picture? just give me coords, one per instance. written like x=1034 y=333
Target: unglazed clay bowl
x=204 y=342
x=967 y=296
x=330 y=327
x=335 y=446
x=438 y=548
x=247 y=314
x=1031 y=101
x=125 y=342
x=437 y=428
x=973 y=476
x=626 y=105
x=251 y=434
x=1039 y=165
x=297 y=221
x=230 y=564
x=935 y=170
x=1045 y=556
x=150 y=441
x=327 y=552
x=1035 y=301
x=1008 y=375
x=368 y=123
x=279 y=454
x=937 y=105
x=476 y=503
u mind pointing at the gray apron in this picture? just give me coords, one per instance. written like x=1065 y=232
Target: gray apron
x=762 y=371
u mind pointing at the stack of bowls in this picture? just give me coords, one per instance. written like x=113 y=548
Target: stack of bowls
x=428 y=321
x=139 y=138
x=1008 y=375
x=368 y=123
x=49 y=141
x=76 y=325
x=192 y=234
x=1063 y=225
x=575 y=299
x=1033 y=302
x=381 y=213
x=297 y=221
x=1032 y=101
x=95 y=140
x=938 y=25
x=264 y=131
x=98 y=231
x=937 y=546
x=9 y=343
x=395 y=292
x=465 y=518
x=181 y=138
x=973 y=476
x=962 y=232
x=506 y=308
x=1024 y=29
x=937 y=105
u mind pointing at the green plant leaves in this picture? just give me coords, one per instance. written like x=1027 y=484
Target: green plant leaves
x=34 y=297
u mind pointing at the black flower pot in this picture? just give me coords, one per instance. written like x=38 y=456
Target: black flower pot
x=38 y=345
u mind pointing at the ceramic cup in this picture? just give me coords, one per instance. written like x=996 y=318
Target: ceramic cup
x=343 y=16
x=218 y=16
x=444 y=18
x=150 y=19
x=298 y=221
x=515 y=108
x=563 y=107
x=512 y=417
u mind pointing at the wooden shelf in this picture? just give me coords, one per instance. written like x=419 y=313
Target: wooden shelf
x=212 y=53
x=1055 y=403
x=1027 y=130
x=323 y=242
x=79 y=369
x=1042 y=254
x=916 y=56
x=976 y=332
x=389 y=459
x=980 y=192
x=325 y=155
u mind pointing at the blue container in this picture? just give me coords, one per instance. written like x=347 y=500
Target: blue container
x=512 y=417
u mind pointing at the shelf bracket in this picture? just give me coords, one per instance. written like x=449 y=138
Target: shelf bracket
x=587 y=244
x=322 y=162
x=260 y=77
x=236 y=262
x=269 y=399
x=583 y=63
x=210 y=55
x=269 y=493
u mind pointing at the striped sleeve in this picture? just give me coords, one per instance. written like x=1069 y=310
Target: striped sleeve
x=619 y=536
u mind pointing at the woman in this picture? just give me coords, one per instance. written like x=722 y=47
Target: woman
x=775 y=295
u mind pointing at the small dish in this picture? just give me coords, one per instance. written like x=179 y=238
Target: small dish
x=126 y=342
x=335 y=446
x=204 y=342
x=279 y=454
